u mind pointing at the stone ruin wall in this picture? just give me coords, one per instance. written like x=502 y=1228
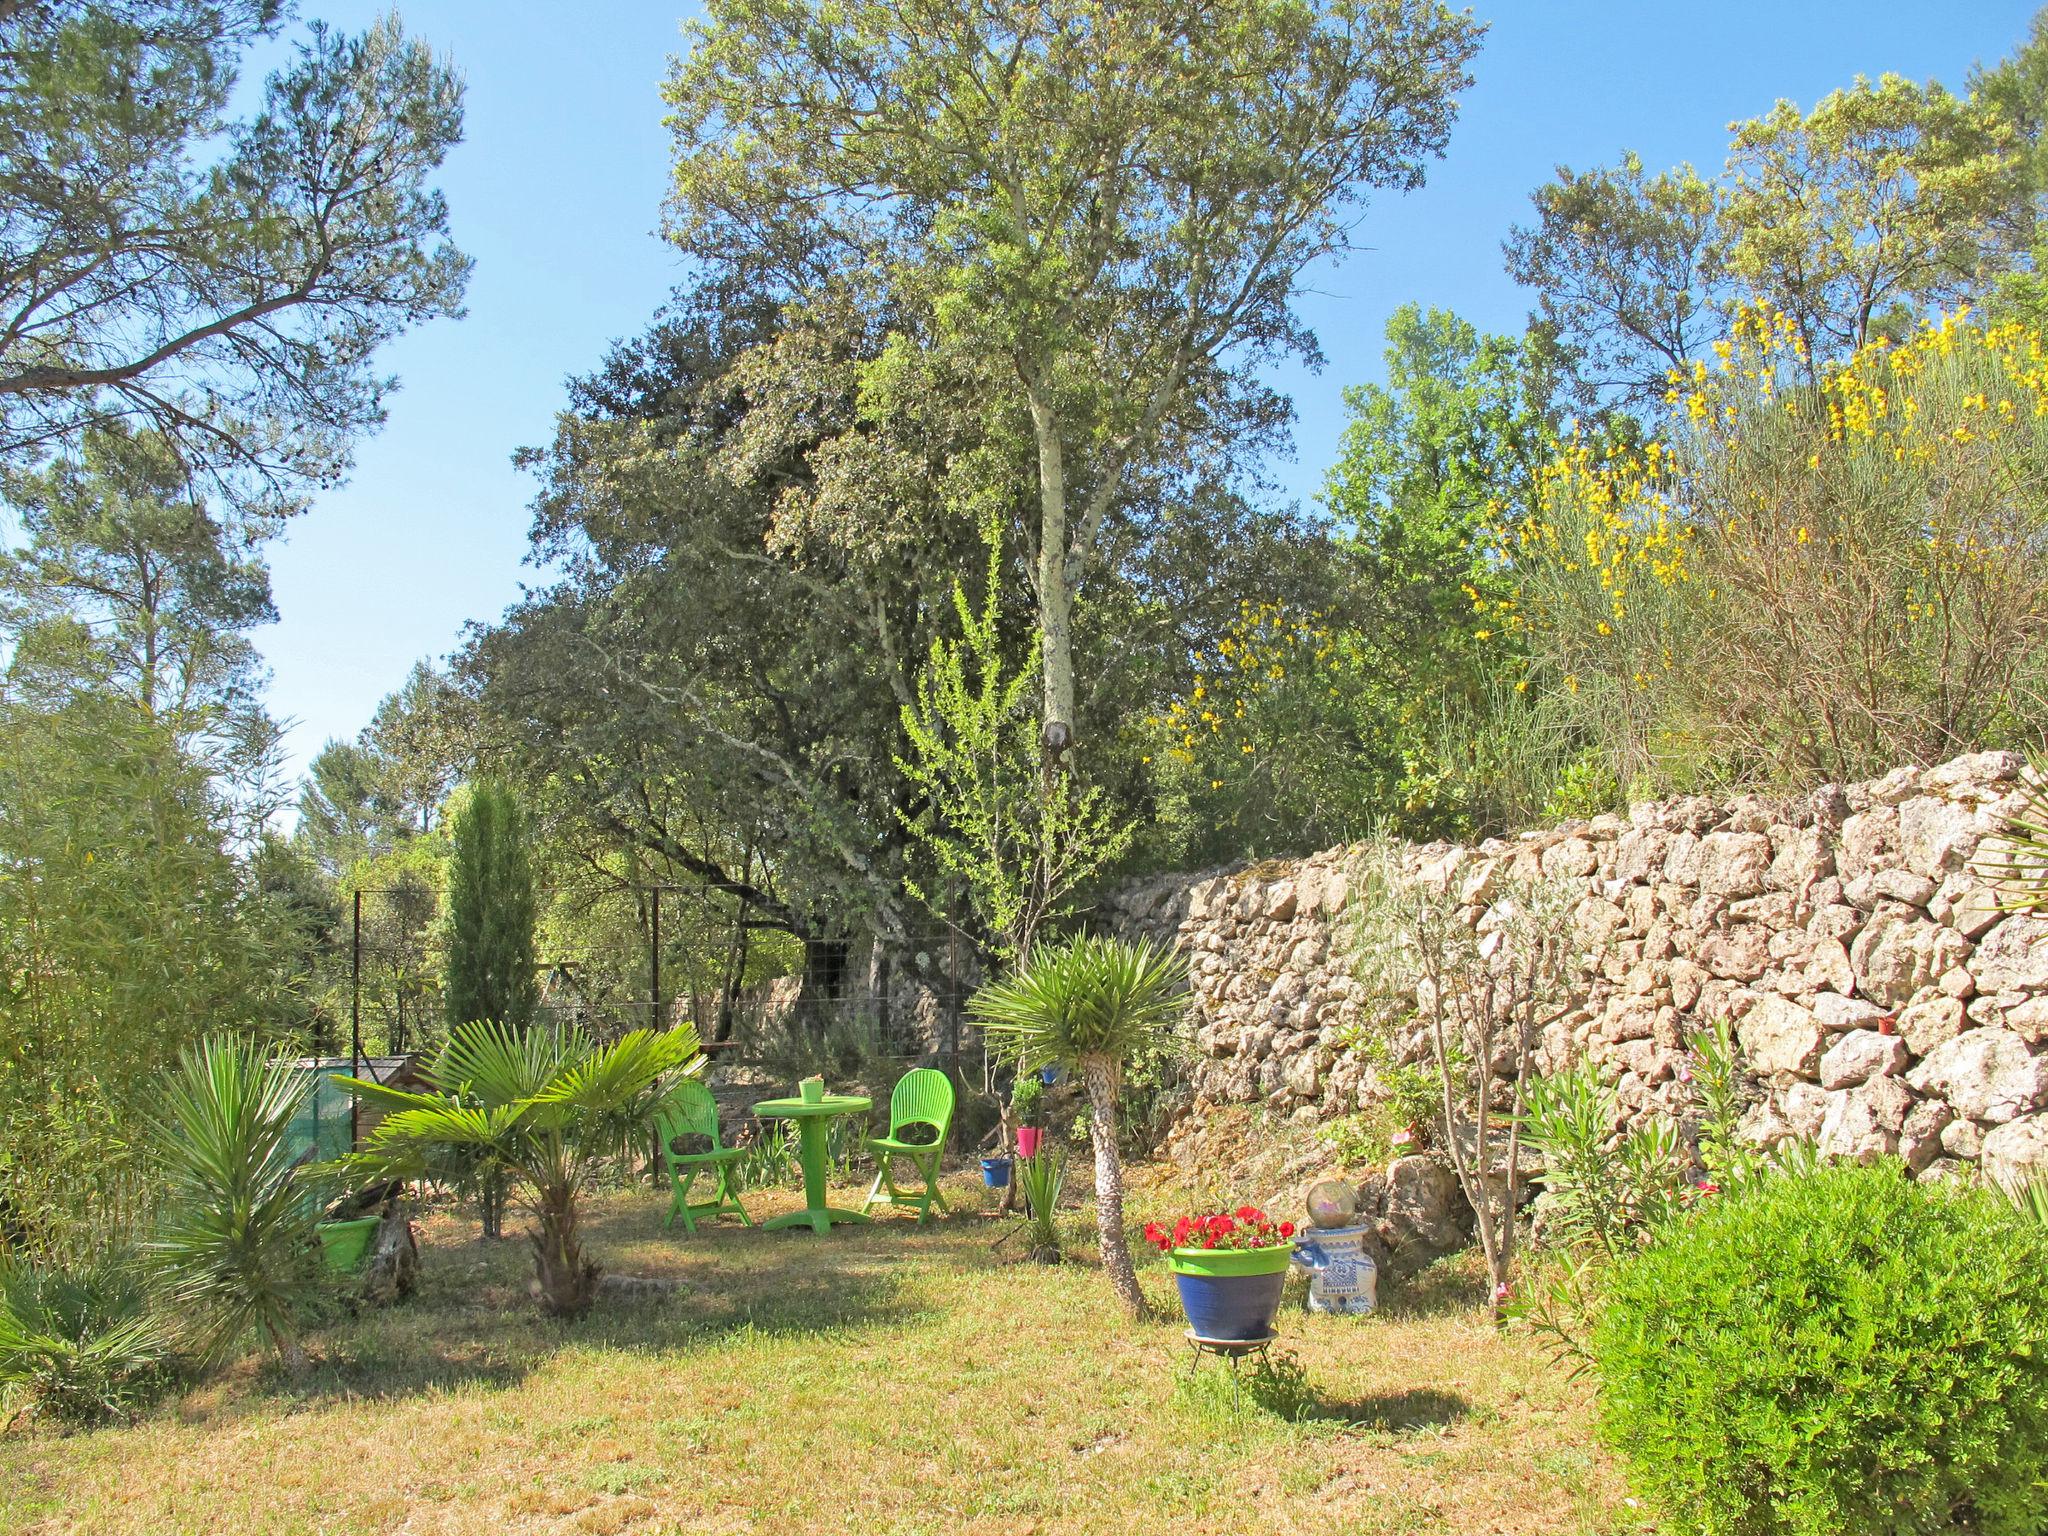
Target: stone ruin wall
x=1882 y=1002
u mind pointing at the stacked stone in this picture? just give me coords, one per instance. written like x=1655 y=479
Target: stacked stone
x=1882 y=1001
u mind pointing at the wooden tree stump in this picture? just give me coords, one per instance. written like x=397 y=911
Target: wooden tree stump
x=393 y=1268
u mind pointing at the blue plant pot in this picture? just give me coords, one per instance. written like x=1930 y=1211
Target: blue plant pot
x=1231 y=1306
x=995 y=1172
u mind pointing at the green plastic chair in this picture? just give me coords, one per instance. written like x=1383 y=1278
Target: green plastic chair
x=923 y=1097
x=691 y=1111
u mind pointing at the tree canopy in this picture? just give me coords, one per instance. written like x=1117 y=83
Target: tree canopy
x=222 y=282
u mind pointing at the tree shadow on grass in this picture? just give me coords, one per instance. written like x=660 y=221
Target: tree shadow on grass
x=474 y=1321
x=1394 y=1413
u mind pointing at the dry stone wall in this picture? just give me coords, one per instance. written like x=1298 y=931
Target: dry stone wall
x=1883 y=1003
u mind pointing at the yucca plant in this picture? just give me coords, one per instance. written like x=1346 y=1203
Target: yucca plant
x=235 y=1245
x=2015 y=860
x=1091 y=1006
x=78 y=1341
x=1042 y=1176
x=548 y=1107
x=2029 y=1197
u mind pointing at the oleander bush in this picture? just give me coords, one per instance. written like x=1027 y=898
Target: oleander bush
x=1836 y=1353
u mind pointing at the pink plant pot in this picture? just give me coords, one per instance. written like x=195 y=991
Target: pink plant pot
x=1028 y=1137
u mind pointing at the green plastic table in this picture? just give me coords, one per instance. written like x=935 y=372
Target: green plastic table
x=810 y=1121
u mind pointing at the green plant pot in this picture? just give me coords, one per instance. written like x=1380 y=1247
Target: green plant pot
x=345 y=1244
x=1230 y=1261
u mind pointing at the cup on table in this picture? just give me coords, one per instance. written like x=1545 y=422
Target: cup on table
x=812 y=1089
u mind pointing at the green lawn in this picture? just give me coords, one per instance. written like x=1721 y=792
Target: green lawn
x=889 y=1379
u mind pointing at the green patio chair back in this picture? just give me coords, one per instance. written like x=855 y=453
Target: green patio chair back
x=690 y=1110
x=923 y=1097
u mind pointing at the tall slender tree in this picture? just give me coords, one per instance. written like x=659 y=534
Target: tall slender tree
x=491 y=909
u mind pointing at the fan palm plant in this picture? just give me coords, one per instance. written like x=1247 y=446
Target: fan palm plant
x=1091 y=1006
x=548 y=1107
x=235 y=1247
x=78 y=1340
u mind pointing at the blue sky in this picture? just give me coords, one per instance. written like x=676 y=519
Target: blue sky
x=556 y=192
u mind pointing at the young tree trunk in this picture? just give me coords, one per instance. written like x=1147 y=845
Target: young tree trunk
x=289 y=1349
x=564 y=1279
x=1055 y=590
x=1100 y=1076
x=491 y=1200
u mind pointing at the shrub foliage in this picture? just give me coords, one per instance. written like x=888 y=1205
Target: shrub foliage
x=1834 y=1353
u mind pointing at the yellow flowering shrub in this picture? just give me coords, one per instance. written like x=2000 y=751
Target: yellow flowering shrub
x=1812 y=575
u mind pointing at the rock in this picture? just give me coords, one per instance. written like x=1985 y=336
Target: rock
x=1802 y=859
x=1987 y=1074
x=1974 y=910
x=1862 y=1124
x=1425 y=1213
x=1827 y=966
x=2012 y=956
x=1302 y=1076
x=1920 y=1137
x=1639 y=854
x=1804 y=1106
x=1944 y=1170
x=1280 y=902
x=1737 y=953
x=1936 y=837
x=1926 y=1025
x=1734 y=863
x=2017 y=1151
x=1896 y=956
x=1859 y=1055
x=1981 y=771
x=2029 y=1019
x=1780 y=1036
x=1961 y=1138
x=1837 y=1013
x=1574 y=857
x=1868 y=839
x=1903 y=885
x=1835 y=920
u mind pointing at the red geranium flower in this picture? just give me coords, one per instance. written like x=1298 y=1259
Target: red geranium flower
x=1247 y=1227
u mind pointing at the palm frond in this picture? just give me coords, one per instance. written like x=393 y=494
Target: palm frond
x=501 y=1065
x=618 y=1075
x=1092 y=996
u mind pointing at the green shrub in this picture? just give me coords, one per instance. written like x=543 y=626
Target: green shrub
x=1842 y=1353
x=77 y=1342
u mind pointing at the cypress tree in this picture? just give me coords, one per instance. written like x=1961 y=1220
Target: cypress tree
x=491 y=913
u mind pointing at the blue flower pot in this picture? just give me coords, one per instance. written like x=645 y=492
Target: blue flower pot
x=1230 y=1295
x=995 y=1172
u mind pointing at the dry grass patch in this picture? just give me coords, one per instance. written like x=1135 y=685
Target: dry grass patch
x=890 y=1379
